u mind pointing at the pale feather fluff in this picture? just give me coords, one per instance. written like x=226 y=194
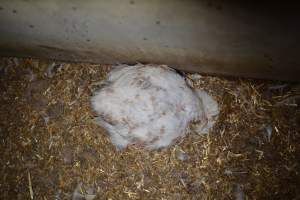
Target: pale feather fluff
x=150 y=105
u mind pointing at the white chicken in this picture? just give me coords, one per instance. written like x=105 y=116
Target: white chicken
x=151 y=106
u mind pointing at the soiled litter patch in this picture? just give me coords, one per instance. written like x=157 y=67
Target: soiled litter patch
x=52 y=149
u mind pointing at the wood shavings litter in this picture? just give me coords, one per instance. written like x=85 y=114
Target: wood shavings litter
x=238 y=159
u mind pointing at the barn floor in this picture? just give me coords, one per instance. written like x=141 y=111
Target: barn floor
x=52 y=149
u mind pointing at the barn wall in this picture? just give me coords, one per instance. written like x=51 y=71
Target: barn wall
x=258 y=40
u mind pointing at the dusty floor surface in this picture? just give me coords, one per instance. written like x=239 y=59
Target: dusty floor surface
x=51 y=148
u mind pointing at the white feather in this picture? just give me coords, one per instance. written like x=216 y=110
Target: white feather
x=149 y=105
